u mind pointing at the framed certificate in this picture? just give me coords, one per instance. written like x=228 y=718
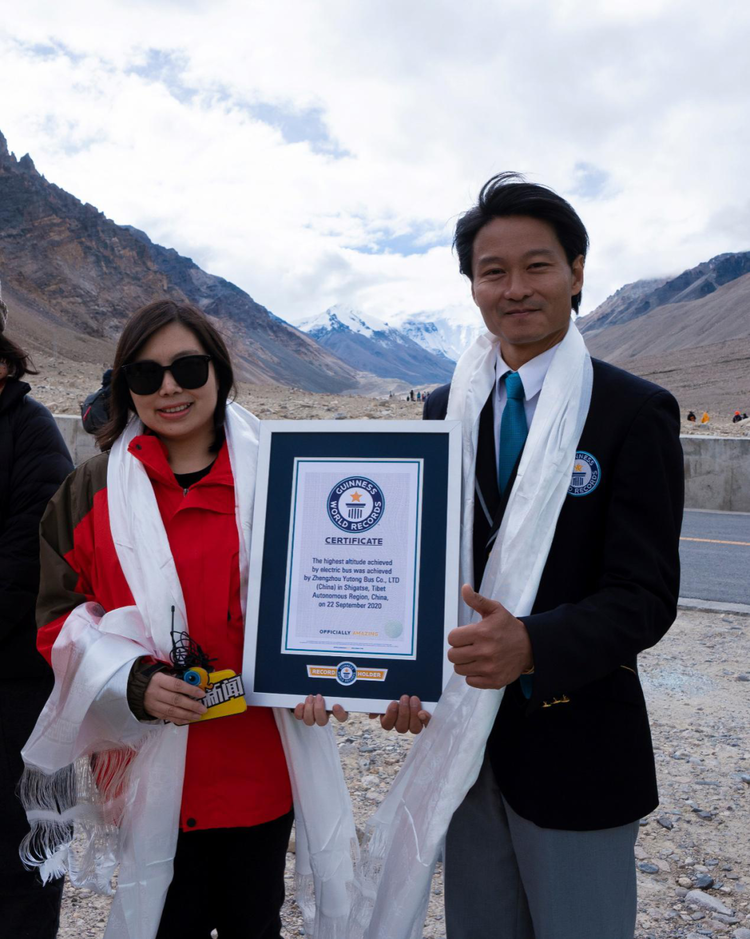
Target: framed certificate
x=354 y=567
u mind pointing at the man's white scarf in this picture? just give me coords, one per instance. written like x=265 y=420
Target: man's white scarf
x=406 y=835
x=85 y=819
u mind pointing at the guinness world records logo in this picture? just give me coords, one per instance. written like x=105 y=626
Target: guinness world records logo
x=346 y=673
x=356 y=504
x=586 y=474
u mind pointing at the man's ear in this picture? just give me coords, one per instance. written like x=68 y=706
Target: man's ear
x=577 y=269
x=473 y=295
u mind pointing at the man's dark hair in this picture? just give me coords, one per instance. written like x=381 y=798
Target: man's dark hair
x=509 y=194
x=138 y=330
x=18 y=361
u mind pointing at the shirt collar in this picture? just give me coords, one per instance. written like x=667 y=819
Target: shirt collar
x=532 y=373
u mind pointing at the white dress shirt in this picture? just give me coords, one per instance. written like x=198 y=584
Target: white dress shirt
x=532 y=375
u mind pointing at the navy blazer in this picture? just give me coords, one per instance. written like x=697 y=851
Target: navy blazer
x=577 y=755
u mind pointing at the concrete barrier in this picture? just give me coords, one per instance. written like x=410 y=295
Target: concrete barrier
x=717 y=473
x=717 y=469
x=80 y=444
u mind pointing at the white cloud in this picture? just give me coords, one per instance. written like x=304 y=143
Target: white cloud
x=175 y=117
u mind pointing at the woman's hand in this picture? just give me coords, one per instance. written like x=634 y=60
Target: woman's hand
x=313 y=711
x=406 y=715
x=171 y=699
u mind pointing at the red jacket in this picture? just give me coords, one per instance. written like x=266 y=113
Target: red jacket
x=235 y=770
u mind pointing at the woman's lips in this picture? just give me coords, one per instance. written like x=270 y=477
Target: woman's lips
x=170 y=415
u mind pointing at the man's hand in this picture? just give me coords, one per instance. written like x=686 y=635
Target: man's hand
x=493 y=652
x=313 y=711
x=171 y=699
x=405 y=715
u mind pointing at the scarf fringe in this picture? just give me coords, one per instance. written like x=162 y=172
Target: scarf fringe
x=74 y=817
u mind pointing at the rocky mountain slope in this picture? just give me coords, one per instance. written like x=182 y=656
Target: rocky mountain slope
x=723 y=315
x=690 y=334
x=635 y=300
x=370 y=345
x=71 y=277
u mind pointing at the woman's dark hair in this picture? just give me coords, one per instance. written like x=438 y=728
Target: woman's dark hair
x=138 y=330
x=18 y=361
x=510 y=194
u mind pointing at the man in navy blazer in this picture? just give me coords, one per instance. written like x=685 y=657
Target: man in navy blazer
x=542 y=847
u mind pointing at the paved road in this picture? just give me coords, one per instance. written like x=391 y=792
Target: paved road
x=715 y=553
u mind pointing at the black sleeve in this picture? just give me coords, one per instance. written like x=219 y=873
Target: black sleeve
x=141 y=674
x=40 y=463
x=636 y=601
x=436 y=405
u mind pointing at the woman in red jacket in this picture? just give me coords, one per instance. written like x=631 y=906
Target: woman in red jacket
x=173 y=369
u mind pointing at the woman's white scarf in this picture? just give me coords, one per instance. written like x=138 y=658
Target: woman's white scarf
x=85 y=821
x=406 y=835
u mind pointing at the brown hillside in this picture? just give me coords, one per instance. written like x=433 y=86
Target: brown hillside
x=699 y=350
x=71 y=277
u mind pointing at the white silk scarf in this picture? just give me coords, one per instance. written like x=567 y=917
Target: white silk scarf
x=405 y=837
x=135 y=822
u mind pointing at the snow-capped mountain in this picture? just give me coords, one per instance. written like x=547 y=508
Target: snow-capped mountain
x=443 y=336
x=371 y=345
x=340 y=315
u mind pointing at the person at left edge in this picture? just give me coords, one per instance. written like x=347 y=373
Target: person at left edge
x=33 y=462
x=173 y=369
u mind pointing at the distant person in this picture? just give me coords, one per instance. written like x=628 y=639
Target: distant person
x=411 y=395
x=737 y=417
x=691 y=417
x=95 y=408
x=419 y=396
x=33 y=462
x=705 y=419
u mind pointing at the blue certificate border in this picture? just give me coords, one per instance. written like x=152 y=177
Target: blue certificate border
x=278 y=673
x=288 y=650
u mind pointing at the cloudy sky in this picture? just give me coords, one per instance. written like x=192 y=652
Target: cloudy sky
x=318 y=151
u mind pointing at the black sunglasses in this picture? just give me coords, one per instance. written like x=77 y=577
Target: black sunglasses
x=145 y=378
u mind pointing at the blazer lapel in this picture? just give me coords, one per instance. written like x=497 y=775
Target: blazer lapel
x=502 y=503
x=487 y=495
x=489 y=504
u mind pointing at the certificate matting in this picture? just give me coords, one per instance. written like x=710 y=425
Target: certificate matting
x=282 y=666
x=330 y=583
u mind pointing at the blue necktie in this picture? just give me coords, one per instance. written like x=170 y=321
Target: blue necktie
x=513 y=433
x=513 y=429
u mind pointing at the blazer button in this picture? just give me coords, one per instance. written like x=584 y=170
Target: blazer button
x=191 y=823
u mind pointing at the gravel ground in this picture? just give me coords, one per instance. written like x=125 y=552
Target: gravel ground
x=693 y=853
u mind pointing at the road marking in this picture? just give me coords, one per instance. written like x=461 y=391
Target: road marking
x=745 y=544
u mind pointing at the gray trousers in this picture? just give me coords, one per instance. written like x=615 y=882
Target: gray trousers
x=507 y=878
